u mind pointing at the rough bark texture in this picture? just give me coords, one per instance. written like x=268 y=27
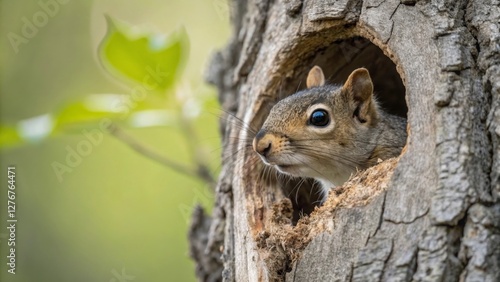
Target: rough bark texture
x=433 y=214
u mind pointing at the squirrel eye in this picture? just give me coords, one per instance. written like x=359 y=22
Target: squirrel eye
x=319 y=118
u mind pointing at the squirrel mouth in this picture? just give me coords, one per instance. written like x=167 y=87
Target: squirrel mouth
x=277 y=165
x=286 y=168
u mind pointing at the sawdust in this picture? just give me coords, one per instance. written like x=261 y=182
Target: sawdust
x=282 y=243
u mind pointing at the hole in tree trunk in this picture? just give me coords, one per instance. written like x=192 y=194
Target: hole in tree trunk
x=342 y=57
x=338 y=61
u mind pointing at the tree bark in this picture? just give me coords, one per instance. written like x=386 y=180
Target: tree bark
x=433 y=214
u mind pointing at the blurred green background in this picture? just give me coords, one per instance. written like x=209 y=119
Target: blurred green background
x=116 y=215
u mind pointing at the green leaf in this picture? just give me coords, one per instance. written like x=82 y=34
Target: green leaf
x=94 y=108
x=9 y=136
x=76 y=115
x=147 y=59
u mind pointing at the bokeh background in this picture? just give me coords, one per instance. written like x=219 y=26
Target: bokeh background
x=117 y=215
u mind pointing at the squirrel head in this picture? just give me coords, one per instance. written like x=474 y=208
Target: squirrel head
x=322 y=132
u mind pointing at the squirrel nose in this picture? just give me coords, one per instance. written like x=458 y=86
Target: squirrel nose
x=262 y=143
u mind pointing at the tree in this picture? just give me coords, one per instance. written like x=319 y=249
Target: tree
x=433 y=214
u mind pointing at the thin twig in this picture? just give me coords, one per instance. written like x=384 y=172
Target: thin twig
x=119 y=134
x=191 y=139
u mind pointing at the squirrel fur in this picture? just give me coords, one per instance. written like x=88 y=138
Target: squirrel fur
x=328 y=132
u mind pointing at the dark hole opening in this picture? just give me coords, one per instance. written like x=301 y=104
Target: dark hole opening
x=338 y=61
x=341 y=58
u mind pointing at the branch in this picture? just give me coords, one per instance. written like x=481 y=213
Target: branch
x=201 y=172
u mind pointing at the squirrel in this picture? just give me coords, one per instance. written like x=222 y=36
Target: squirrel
x=329 y=132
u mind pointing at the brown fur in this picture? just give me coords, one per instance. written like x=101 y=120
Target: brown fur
x=358 y=136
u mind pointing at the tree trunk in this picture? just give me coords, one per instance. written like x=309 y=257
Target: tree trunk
x=433 y=214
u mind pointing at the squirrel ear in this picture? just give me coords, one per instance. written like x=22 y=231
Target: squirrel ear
x=359 y=87
x=315 y=77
